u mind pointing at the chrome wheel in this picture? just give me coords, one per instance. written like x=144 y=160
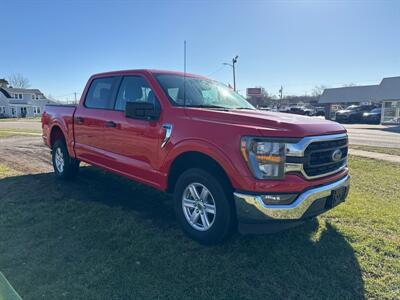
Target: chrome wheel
x=59 y=160
x=198 y=206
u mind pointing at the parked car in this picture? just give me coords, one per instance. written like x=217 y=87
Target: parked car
x=265 y=108
x=352 y=114
x=227 y=164
x=372 y=117
x=301 y=110
x=320 y=111
x=296 y=110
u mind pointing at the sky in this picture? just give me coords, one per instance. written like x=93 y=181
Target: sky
x=57 y=45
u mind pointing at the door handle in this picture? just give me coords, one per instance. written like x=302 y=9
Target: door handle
x=79 y=120
x=111 y=124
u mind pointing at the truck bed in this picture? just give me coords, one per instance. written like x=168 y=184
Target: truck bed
x=60 y=115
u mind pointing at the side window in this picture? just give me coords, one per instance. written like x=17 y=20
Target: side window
x=173 y=93
x=134 y=89
x=100 y=93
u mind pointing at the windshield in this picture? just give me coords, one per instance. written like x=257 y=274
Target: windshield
x=200 y=92
x=376 y=110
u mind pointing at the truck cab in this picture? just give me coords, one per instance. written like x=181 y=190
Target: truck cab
x=228 y=165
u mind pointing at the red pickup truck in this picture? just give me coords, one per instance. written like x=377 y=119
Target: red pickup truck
x=227 y=164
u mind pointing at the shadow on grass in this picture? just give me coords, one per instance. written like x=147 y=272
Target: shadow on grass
x=105 y=237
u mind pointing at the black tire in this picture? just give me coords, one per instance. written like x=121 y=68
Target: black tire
x=70 y=165
x=224 y=218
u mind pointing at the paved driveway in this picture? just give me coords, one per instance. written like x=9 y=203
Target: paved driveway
x=374 y=135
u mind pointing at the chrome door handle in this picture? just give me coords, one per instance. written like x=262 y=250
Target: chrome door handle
x=79 y=120
x=167 y=136
x=110 y=124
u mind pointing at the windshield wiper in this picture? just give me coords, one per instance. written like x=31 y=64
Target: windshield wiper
x=244 y=108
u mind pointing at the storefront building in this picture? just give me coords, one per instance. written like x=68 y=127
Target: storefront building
x=386 y=95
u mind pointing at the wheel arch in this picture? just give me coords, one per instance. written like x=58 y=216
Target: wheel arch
x=195 y=159
x=57 y=131
x=55 y=134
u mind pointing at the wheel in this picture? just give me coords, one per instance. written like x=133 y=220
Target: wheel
x=204 y=207
x=65 y=167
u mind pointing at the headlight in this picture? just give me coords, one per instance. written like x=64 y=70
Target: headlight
x=266 y=159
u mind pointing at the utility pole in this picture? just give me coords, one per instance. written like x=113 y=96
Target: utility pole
x=234 y=61
x=281 y=93
x=75 y=97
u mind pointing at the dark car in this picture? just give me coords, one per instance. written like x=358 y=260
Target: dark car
x=372 y=117
x=353 y=113
x=296 y=110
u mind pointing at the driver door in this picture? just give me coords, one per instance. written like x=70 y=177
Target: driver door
x=134 y=144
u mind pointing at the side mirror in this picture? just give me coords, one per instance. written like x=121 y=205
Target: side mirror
x=142 y=110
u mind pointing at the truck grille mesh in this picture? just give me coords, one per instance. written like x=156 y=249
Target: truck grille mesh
x=319 y=157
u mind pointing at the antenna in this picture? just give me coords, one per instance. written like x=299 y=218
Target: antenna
x=184 y=73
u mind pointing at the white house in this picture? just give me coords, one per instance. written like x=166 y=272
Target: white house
x=16 y=102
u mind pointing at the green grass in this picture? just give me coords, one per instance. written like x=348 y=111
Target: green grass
x=104 y=237
x=385 y=150
x=8 y=132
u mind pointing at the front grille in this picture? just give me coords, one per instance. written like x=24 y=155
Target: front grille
x=318 y=157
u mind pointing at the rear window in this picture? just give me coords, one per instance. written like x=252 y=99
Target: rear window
x=100 y=94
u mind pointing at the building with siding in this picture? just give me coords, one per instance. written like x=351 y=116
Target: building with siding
x=16 y=102
x=386 y=94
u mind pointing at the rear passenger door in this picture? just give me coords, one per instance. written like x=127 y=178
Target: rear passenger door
x=92 y=118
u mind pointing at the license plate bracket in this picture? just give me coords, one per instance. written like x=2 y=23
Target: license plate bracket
x=337 y=196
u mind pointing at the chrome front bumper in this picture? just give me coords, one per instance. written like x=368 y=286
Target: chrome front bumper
x=252 y=207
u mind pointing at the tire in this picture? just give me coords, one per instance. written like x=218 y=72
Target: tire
x=65 y=167
x=207 y=228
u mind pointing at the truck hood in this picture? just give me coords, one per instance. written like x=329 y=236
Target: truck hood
x=269 y=123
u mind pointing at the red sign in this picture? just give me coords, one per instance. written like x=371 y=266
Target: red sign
x=254 y=91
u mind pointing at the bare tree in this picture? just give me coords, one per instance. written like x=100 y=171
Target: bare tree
x=318 y=90
x=18 y=80
x=349 y=84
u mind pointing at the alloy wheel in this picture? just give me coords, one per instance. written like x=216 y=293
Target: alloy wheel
x=198 y=206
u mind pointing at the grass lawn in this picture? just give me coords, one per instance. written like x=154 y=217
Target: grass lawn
x=104 y=237
x=7 y=132
x=385 y=150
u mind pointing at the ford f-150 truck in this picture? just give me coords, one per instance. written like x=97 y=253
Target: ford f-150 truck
x=227 y=164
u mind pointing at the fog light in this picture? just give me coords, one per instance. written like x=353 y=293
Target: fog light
x=279 y=199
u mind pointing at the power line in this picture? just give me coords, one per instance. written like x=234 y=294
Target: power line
x=216 y=71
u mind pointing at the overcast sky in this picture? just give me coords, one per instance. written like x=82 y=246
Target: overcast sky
x=59 y=44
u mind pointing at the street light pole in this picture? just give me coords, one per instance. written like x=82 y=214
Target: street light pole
x=234 y=61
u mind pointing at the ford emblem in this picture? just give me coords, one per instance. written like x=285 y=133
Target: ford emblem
x=337 y=155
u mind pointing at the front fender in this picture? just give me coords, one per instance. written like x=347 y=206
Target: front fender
x=206 y=148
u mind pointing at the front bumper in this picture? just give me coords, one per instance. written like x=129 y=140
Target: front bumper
x=252 y=209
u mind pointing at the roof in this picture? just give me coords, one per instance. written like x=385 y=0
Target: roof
x=18 y=90
x=148 y=71
x=388 y=89
x=350 y=94
x=5 y=93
